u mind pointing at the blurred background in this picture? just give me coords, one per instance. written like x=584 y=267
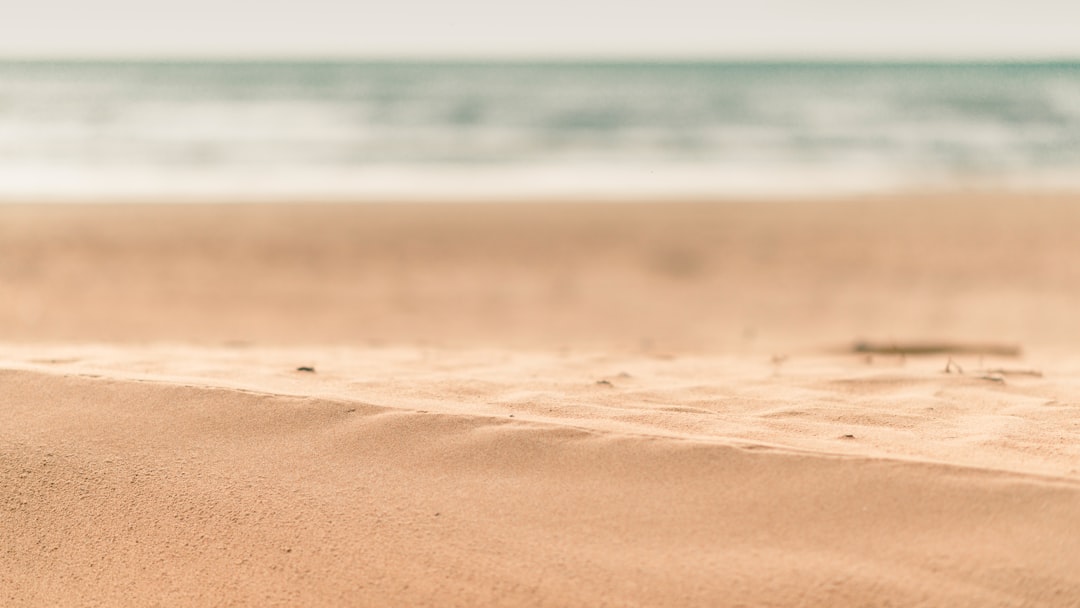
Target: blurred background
x=954 y=117
x=354 y=101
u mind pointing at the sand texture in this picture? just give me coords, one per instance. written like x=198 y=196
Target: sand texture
x=862 y=403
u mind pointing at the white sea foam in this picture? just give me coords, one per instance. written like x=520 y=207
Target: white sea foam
x=366 y=131
x=543 y=183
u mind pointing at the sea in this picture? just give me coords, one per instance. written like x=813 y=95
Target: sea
x=443 y=130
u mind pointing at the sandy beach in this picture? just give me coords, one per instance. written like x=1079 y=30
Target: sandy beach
x=869 y=402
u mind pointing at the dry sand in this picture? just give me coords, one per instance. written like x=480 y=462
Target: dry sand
x=540 y=404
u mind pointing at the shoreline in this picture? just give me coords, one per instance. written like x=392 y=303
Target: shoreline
x=507 y=187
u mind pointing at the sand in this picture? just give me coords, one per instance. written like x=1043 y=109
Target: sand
x=557 y=404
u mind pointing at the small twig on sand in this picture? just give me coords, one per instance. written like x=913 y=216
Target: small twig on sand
x=1034 y=373
x=951 y=364
x=936 y=348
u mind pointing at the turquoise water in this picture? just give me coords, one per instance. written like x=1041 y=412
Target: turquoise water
x=363 y=129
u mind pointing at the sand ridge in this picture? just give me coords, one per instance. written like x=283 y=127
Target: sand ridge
x=1007 y=418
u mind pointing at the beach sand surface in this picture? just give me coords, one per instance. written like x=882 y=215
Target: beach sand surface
x=860 y=402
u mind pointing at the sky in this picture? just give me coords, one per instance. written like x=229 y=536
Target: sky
x=843 y=29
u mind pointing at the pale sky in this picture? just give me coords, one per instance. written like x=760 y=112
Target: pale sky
x=959 y=29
